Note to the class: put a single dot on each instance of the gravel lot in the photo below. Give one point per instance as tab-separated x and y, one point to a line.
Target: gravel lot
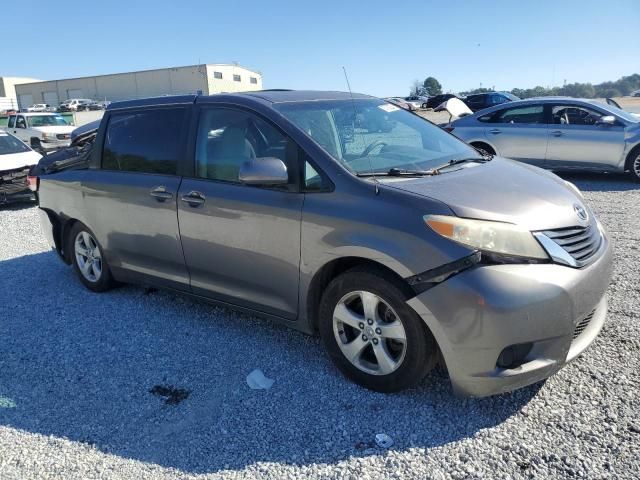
94	386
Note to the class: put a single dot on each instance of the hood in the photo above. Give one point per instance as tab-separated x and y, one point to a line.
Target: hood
500	190
454	107
13	161
55	128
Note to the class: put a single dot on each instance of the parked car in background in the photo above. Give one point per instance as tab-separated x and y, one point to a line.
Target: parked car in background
635	93
51	129
417	101
39	107
90	106
74	104
557	133
400	102
401	247
489	99
438	100
16	159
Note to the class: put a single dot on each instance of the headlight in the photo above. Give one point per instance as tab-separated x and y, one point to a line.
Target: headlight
496	237
48	136
574	188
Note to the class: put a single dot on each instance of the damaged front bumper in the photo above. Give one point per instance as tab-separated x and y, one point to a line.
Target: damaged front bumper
13	186
548	312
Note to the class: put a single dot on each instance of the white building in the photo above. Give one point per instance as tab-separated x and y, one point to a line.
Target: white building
8	97
205	79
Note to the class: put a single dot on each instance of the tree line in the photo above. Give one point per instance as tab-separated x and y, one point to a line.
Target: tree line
618	88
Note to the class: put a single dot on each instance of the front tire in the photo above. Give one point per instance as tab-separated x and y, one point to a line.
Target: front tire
371	334
88	259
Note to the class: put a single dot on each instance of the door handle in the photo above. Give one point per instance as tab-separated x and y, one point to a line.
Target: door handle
161	194
193	198
495	131
556	133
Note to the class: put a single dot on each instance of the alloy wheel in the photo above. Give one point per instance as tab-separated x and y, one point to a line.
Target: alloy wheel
88	256
369	333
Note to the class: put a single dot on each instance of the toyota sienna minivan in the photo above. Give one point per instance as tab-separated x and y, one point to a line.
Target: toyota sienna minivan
402	246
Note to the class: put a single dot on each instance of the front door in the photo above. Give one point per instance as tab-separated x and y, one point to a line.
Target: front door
241	243
21	131
519	133
577	140
131	201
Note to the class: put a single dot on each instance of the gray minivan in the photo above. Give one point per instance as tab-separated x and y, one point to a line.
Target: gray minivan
401	245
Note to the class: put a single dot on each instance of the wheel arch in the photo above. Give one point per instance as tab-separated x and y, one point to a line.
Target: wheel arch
333	268
484	145
630	156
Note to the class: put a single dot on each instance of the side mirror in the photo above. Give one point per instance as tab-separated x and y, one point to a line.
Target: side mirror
607	120
264	171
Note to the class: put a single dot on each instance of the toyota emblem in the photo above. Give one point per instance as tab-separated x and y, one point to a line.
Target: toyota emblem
580	212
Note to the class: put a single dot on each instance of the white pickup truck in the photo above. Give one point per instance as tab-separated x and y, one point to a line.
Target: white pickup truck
50	128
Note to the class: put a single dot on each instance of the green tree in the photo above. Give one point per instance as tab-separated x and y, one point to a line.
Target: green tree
432	86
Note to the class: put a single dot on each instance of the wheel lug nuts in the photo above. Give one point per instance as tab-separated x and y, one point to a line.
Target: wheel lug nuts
378	331
361	325
375	341
370	322
364	337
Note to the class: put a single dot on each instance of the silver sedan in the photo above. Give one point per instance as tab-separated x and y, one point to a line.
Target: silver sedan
557	133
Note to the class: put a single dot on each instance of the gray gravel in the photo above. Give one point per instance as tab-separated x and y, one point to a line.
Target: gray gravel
77	370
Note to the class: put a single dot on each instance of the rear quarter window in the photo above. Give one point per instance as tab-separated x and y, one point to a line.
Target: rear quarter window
147	141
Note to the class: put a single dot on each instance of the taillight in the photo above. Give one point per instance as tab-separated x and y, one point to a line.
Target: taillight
448	129
33	182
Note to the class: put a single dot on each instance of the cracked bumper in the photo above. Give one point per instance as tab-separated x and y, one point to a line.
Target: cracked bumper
477	313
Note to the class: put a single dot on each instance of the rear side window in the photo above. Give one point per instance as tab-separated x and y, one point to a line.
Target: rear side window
12	121
533	114
147	142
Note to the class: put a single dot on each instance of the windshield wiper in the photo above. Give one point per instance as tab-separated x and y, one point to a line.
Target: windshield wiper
397	172
458	161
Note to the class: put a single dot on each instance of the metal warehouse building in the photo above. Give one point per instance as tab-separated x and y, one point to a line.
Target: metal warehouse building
206	79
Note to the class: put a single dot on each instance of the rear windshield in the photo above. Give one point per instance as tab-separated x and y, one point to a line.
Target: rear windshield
46	120
9	144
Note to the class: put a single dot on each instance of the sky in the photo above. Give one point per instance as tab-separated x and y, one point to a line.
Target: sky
384	45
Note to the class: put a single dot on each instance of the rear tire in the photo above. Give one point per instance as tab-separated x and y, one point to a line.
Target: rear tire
633	164
371	334
88	259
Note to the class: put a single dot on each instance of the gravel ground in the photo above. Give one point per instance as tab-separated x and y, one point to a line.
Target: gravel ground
138	384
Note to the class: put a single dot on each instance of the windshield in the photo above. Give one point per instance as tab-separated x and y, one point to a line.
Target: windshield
46	120
374	136
9	144
616	111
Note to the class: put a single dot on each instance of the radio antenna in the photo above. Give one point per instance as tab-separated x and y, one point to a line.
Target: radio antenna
355	113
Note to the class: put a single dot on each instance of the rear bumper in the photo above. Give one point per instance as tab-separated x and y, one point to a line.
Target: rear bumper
476	314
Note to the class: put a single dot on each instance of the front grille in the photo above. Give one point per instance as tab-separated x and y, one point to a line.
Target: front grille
582	325
579	242
63	136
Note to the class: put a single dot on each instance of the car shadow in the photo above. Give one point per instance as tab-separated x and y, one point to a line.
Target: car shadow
159	377
601	182
16	206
